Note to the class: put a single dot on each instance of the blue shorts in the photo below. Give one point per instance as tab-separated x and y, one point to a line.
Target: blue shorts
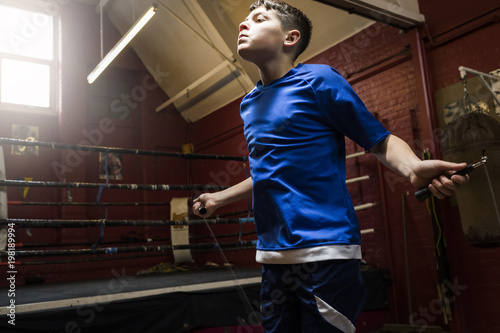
323	296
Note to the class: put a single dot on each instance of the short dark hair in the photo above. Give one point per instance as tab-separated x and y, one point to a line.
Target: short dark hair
291	18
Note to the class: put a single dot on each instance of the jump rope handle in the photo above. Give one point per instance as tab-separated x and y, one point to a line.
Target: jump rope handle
424	193
202	210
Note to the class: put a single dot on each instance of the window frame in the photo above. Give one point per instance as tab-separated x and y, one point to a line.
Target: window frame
53	64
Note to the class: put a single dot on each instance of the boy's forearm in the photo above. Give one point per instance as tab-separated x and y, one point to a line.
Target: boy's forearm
240	191
397	155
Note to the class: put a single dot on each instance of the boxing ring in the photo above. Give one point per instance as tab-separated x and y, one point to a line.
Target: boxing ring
173	302
181	300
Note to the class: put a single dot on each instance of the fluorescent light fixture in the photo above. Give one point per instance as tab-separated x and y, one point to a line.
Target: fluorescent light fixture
122	43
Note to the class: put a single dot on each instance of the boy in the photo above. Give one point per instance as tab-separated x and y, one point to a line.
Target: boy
295	121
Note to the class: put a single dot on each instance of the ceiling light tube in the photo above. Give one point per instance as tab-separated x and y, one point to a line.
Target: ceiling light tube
122	43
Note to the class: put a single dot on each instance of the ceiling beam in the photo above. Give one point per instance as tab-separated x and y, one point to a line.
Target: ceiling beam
185	91
379	10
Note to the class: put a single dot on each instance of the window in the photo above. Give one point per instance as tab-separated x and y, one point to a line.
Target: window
28	61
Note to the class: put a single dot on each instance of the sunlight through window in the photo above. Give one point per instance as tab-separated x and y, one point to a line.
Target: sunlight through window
25	83
27	60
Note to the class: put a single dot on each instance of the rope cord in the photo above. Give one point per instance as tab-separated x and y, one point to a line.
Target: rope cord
237	282
431	208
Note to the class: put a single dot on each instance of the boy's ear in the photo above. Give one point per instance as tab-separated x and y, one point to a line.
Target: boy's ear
292	37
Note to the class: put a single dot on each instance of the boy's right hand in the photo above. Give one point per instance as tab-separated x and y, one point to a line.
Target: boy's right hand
205	200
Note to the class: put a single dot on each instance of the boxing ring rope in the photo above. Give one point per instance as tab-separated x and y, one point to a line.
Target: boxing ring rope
102	149
84	260
129	249
135	249
130	240
154	250
108	258
139	187
70	223
54	145
61	223
111	204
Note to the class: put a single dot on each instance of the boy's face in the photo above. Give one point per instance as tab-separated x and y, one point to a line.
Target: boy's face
261	36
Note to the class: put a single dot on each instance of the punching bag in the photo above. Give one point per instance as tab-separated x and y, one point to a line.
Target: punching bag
464	140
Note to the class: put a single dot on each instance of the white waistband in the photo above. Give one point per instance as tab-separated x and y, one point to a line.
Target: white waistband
309	254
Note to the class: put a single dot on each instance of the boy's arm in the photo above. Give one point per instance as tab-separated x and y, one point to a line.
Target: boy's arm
212	201
398	156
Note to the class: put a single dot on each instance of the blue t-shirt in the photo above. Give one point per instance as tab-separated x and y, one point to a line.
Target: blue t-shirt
295	128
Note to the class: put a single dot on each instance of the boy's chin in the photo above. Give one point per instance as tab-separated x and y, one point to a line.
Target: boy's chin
242	53
246	55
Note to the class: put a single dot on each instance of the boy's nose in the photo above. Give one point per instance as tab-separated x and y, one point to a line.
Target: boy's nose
243	26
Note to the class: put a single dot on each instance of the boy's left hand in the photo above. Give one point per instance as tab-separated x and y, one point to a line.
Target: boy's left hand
435	175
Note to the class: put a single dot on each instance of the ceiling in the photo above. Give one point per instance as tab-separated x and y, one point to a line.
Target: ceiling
189	46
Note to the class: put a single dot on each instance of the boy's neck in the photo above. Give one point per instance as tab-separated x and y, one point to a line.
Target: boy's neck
273	71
